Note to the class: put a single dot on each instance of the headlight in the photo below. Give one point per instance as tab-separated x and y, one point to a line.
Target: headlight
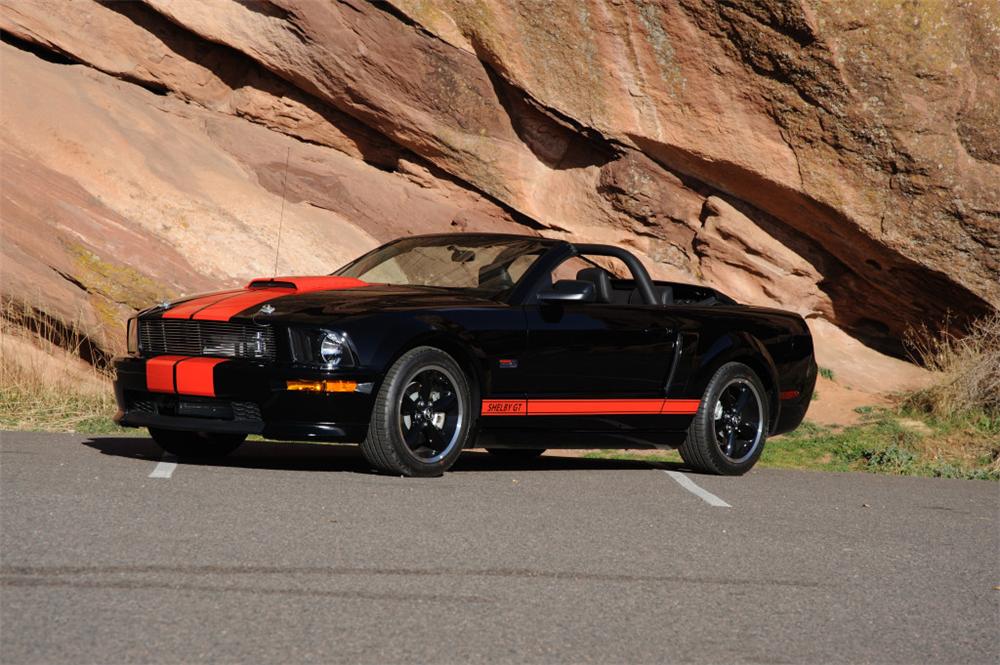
327	348
132	336
333	348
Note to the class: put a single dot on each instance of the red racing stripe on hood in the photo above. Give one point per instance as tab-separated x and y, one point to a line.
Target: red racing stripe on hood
259	291
186	309
224	305
229	307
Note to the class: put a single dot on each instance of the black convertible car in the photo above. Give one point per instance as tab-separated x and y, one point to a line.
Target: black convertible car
432	344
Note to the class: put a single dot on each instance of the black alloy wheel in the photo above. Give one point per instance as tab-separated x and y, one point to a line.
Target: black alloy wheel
737	420
422	416
728	432
430	414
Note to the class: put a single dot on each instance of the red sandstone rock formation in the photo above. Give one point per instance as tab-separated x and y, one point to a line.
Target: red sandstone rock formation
839	159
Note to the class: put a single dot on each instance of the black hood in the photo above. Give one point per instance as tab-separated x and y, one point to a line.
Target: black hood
318	307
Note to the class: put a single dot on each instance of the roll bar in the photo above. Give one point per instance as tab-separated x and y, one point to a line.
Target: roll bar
642	279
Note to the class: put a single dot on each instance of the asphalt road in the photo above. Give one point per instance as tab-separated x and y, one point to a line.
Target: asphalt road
295	553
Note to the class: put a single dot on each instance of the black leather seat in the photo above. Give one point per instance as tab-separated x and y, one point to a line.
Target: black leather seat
601	281
605	292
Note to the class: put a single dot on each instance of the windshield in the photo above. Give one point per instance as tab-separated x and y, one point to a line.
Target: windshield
489	266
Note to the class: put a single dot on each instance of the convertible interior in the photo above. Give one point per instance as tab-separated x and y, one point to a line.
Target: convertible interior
615	291
501	274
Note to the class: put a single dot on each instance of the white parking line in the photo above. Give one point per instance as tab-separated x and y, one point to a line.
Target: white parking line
702	494
165	467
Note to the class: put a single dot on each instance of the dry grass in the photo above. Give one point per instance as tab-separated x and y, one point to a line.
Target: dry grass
45	383
968	370
962	406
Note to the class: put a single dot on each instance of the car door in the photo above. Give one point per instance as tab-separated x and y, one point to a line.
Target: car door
597	366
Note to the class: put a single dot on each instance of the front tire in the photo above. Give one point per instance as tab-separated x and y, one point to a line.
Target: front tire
422	415
196	445
728	433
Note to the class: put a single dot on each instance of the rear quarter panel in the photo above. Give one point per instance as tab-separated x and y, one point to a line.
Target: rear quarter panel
775	344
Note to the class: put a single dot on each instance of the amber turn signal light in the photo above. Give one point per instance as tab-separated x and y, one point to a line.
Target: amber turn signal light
322	386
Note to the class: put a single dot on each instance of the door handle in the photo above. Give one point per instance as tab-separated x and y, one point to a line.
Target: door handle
657	329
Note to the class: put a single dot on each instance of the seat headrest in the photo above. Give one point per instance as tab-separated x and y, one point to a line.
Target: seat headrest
601	281
664	295
495	276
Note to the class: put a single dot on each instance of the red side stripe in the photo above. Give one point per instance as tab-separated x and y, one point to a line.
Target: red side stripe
567	407
196	376
789	394
186	309
680	406
574	407
160	373
230	307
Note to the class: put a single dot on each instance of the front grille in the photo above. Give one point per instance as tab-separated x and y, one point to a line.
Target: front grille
142	405
246	411
206	338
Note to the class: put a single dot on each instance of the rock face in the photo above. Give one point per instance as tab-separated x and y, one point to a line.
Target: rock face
838	159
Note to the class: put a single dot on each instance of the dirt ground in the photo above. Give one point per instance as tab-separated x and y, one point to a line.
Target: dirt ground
835	404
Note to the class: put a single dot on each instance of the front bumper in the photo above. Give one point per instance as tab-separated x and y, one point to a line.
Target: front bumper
249	398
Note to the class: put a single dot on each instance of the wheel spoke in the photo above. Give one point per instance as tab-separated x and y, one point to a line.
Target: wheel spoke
434	438
742	400
412	436
410	396
730	440
425	390
444	402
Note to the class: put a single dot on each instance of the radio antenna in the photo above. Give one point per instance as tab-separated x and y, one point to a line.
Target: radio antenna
281	219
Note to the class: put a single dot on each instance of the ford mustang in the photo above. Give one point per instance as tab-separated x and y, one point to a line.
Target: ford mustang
433	344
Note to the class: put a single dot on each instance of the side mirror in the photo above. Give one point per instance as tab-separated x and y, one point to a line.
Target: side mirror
568	290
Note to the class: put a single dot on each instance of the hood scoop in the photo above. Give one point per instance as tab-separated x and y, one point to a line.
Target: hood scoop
306	284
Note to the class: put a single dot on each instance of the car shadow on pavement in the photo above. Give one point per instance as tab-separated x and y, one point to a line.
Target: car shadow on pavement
280	456
289	456
480	460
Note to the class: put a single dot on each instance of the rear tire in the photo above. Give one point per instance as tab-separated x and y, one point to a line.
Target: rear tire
195	445
728	432
422	416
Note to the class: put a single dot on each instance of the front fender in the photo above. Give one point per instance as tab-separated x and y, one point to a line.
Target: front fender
380	344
